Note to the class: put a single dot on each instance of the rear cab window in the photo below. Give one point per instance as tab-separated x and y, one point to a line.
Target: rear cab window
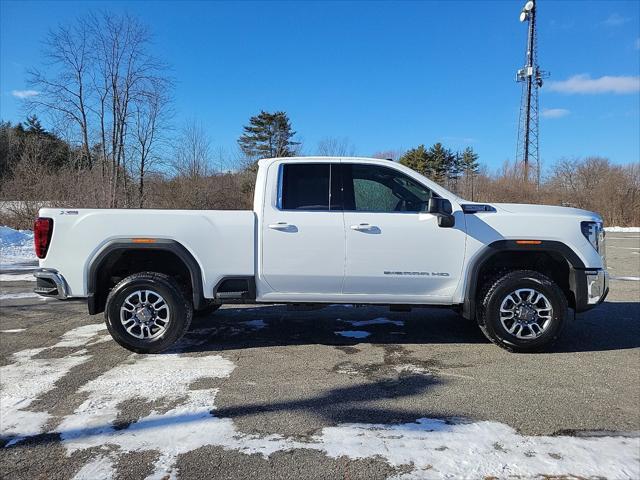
309	186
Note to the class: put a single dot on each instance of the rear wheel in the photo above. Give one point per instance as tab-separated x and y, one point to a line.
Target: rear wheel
147	312
522	311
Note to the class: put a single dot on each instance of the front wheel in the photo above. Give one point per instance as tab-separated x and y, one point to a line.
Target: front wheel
147	312
522	311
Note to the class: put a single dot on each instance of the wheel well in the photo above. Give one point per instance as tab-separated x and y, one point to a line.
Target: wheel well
121	263
552	264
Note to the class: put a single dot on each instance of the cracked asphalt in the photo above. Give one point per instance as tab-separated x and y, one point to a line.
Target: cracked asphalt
294	376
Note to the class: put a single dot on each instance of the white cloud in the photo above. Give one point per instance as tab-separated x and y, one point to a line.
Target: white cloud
555	112
615	20
608	84
24	93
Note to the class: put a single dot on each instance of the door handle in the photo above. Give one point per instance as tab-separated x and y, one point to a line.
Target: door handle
362	227
281	226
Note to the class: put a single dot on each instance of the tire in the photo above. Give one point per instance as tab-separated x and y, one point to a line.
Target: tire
207	310
527	326
133	321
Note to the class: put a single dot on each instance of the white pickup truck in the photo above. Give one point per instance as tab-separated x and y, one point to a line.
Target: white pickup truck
325	231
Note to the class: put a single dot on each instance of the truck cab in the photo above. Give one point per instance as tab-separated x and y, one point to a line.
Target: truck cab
328	230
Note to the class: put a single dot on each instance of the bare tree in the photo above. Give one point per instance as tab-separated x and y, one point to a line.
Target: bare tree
192	152
125	72
101	77
63	84
336	147
150	117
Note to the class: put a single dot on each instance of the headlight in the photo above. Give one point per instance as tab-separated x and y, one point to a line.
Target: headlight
594	233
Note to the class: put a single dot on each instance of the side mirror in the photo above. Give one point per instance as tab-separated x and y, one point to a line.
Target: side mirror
441	208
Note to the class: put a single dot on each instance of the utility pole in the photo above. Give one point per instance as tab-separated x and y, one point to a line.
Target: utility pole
531	78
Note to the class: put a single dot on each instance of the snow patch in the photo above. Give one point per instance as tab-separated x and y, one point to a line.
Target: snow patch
410	368
80	336
455	449
375	321
622	229
13	330
625	279
156	377
255	324
23	382
353	333
20	277
16	246
101	468
18	295
166	377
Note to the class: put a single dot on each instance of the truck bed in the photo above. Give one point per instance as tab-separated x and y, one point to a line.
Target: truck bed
222	241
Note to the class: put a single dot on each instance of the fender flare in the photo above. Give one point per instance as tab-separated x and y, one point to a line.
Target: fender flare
168	245
576	268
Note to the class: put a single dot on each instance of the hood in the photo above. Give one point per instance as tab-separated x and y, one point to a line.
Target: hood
547	210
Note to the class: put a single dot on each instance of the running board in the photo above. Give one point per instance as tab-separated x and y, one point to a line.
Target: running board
243	295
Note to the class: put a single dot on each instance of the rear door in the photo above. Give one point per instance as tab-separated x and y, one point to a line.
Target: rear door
393	246
303	247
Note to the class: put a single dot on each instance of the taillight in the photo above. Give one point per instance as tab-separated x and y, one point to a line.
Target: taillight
42	230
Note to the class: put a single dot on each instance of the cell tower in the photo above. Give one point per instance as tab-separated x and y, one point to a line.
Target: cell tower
530	76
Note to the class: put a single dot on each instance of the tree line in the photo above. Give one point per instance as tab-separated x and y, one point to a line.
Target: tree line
113	142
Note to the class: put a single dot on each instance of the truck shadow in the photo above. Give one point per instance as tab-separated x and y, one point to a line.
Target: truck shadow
612	326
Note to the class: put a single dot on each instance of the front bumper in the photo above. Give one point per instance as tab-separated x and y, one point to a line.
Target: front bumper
49	283
597	286
591	288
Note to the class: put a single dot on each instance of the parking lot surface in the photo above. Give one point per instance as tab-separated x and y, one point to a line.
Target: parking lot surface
341	392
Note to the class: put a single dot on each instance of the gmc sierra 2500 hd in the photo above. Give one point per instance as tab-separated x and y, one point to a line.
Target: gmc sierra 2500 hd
328	230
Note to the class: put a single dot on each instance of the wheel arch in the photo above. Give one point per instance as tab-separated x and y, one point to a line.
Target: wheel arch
115	249
563	265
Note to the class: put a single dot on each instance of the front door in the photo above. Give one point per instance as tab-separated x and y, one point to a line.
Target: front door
392	246
303	232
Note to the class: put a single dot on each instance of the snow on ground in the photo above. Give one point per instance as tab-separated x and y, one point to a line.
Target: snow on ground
80	336
622	229
353	333
22	383
13	330
183	419
625	279
19	277
99	468
28	378
434	448
440	448
16	246
375	321
255	324
18	295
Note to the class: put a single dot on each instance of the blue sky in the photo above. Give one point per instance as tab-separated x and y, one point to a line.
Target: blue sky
388	76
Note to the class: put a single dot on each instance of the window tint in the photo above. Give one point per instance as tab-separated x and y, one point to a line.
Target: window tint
373	188
305	186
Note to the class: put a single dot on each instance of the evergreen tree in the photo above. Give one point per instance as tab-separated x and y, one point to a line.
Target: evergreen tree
416	159
470	166
268	135
34	126
441	160
469	161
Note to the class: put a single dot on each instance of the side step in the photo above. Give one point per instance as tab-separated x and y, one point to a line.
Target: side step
242	295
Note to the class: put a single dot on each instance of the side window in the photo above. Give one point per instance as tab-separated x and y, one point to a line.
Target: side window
306	186
373	188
